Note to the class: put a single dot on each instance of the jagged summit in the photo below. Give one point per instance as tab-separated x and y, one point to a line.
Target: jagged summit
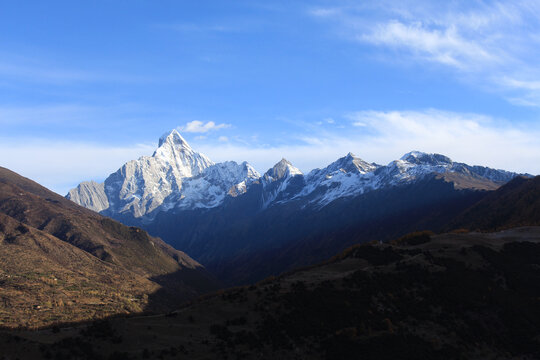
173	137
177	178
421	158
282	169
350	163
174	151
174	176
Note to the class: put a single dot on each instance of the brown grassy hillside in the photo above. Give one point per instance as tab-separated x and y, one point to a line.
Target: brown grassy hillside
60	262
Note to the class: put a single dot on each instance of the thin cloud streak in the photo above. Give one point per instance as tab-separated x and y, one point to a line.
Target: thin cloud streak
491	44
445	46
382	137
197	126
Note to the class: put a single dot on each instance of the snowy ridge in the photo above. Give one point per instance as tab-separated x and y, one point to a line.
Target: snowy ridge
174	176
210	188
277	183
347	176
340	179
283	169
178	178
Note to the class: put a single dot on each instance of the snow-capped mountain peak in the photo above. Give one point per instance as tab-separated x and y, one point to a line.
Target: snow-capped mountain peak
177	178
174	176
174	138
281	170
421	158
350	164
174	151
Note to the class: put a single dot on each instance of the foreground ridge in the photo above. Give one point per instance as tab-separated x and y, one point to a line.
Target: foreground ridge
63	263
423	295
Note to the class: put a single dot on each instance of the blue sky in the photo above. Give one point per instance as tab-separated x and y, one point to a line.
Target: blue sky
87	86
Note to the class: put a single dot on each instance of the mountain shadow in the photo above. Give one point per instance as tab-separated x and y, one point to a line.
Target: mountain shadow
172	294
515	204
241	246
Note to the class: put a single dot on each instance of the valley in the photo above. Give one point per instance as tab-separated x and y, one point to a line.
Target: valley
244	227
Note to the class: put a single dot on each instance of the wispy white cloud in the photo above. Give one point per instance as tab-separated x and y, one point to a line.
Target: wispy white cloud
522	84
471	138
445	46
492	44
381	137
197	126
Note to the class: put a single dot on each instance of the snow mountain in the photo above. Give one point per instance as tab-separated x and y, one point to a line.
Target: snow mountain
243	226
178	178
175	176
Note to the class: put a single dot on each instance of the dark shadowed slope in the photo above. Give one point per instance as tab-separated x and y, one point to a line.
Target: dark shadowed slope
242	246
450	296
515	204
62	262
243	226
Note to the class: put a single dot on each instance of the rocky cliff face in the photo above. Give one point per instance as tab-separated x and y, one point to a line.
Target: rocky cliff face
174	176
91	195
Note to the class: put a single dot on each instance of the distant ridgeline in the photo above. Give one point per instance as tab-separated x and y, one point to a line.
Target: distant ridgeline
244	226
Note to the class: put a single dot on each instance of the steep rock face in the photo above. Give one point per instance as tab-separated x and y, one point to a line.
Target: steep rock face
351	176
281	170
140	186
209	189
175	176
347	176
91	195
281	183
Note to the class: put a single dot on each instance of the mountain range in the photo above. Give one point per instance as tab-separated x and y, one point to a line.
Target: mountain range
245	226
177	178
